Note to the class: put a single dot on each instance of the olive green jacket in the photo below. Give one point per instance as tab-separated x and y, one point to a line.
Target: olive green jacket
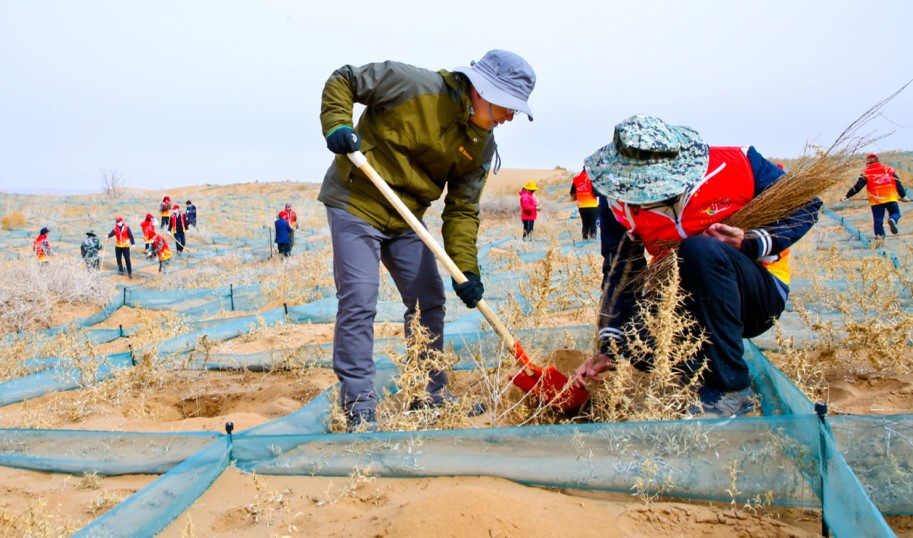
416	132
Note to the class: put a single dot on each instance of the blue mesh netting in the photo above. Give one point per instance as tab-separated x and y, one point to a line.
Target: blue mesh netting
788	453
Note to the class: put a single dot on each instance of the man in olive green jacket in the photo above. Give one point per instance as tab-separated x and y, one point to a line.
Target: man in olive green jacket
423	131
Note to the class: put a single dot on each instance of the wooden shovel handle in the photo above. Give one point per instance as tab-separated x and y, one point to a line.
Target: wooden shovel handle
362	163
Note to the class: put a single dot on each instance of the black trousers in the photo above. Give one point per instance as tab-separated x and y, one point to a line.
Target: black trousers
732	297
180	241
123	256
165	222
528	227
284	248
588	217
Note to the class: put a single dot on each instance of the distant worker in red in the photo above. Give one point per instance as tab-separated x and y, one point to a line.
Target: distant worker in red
529	205
165	211
159	248
41	246
884	189
292	219
148	227
123	240
587	204
177	226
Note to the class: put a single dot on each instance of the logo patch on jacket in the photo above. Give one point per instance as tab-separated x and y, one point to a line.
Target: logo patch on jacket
717	206
465	153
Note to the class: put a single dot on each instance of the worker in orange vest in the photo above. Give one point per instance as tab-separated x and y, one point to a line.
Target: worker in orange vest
884	189
159	247
123	240
41	245
148	227
165	211
587	204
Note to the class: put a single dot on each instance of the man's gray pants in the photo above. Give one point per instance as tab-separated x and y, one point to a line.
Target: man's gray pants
358	249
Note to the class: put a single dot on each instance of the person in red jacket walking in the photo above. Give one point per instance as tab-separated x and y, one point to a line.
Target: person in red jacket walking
165	211
123	240
41	246
529	205
884	189
587	204
148	227
159	247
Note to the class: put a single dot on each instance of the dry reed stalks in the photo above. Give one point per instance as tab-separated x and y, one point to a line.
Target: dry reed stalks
669	339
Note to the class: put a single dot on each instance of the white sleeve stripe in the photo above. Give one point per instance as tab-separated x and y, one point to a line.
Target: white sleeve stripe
610	332
767	244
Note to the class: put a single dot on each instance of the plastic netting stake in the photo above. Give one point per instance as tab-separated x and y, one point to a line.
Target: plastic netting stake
125	296
270	232
821	411
231	293
132	356
121	327
286	308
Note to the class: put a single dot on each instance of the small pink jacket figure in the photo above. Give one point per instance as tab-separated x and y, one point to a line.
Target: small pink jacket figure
528	207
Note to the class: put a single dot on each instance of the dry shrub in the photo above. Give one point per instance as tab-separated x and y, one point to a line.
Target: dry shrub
871	334
297	280
267	504
12	221
671	339
70	344
544	287
415	365
354	488
29	290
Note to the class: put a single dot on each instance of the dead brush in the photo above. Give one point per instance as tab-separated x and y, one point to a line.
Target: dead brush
14	350
410	409
670	339
29	293
268	503
298	279
871	334
358	480
13	220
543	286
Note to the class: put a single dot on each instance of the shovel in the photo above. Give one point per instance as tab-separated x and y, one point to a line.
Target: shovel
548	385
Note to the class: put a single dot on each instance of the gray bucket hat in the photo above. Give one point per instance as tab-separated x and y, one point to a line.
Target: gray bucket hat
502	78
648	161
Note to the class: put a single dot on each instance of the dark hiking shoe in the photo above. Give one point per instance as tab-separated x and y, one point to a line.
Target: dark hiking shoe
893	225
362	420
718	404
437	401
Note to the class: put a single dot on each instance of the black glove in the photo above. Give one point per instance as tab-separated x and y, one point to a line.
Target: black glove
470	292
343	140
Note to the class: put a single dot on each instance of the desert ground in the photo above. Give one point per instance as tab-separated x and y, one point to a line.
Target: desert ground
845	344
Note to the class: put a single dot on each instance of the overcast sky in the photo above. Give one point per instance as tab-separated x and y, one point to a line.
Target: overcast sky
192	92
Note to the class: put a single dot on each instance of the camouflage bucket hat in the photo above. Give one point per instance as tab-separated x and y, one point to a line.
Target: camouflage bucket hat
648	161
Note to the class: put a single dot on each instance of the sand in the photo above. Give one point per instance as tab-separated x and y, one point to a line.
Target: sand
247	505
865	395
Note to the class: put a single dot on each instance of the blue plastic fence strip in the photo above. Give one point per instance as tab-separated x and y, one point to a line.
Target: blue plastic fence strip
847	510
102	452
60	378
151	509
691	459
779	396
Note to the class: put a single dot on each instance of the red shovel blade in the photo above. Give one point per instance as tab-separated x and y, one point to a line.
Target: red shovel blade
548	385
